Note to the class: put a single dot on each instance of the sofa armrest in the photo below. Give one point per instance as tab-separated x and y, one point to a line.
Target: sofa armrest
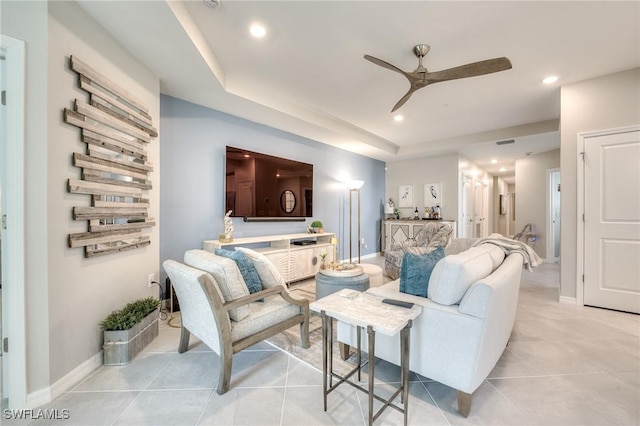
476	300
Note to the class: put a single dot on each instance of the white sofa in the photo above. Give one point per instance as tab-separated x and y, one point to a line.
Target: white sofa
465	322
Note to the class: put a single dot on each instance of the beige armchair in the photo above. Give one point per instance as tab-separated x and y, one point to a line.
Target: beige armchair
206	312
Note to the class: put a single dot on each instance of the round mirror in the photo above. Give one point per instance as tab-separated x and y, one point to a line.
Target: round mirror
287	201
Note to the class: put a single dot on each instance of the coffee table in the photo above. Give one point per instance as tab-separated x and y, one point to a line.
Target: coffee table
365	311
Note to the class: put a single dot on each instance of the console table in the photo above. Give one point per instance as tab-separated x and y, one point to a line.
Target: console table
367	311
294	262
399	230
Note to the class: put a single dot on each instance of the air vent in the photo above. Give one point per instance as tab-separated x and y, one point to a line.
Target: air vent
505	142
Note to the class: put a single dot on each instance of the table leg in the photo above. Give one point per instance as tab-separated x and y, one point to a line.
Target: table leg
359	349
404	363
330	348
371	334
324	358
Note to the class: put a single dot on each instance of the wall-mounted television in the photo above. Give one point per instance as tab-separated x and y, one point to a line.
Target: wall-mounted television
260	186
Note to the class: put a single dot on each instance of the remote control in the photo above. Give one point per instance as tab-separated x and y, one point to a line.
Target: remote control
349	294
398	303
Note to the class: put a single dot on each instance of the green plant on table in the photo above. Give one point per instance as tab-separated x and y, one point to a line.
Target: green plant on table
316	224
130	315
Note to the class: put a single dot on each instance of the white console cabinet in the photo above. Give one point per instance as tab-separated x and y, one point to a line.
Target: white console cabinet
294	262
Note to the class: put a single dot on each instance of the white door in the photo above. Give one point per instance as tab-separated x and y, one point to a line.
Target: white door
14	386
553	244
485	210
467	208
479	210
612	221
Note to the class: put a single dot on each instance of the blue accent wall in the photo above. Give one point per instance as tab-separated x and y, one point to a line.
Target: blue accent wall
192	177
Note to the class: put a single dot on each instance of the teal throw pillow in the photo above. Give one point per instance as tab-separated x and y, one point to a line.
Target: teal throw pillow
416	271
246	267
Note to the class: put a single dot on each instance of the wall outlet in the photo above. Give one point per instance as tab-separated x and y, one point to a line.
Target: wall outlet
150	279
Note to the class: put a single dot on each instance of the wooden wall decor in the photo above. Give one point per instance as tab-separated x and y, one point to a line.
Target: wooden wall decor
117	128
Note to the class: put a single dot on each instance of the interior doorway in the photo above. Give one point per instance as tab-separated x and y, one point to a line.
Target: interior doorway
553	242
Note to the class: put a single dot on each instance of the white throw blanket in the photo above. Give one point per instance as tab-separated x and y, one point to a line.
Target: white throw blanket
531	258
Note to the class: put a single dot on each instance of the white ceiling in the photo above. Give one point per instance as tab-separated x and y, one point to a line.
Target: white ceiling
308	75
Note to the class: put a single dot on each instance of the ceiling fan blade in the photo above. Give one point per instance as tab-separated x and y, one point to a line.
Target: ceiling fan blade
384	64
469	70
404	99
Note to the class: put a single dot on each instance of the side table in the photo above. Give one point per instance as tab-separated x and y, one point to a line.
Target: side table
365	311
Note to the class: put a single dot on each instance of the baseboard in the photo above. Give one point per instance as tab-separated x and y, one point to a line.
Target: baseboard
48	394
38	398
568	300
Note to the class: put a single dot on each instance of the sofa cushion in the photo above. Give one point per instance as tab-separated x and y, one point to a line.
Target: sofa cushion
453	275
245	265
267	271
495	253
227	275
416	270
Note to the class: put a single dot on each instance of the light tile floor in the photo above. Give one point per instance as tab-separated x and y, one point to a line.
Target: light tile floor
564	365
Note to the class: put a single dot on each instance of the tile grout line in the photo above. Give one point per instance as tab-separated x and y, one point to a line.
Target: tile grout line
284	393
424	386
143	390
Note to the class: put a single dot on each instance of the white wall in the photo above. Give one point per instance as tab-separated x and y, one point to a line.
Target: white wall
192	204
602	103
532	200
84	291
421	171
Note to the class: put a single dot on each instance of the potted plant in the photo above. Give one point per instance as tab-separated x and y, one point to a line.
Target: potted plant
316	227
323	258
129	330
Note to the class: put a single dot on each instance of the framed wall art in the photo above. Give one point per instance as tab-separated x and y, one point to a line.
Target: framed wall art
405	196
503	204
432	195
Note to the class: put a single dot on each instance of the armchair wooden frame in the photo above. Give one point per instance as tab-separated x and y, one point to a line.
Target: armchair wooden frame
220	310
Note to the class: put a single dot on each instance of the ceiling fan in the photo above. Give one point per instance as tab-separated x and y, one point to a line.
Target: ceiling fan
420	77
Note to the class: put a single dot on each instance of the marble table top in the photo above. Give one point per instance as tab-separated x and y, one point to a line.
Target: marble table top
364	309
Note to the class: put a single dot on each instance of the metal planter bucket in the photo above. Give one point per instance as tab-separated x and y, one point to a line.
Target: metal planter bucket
121	346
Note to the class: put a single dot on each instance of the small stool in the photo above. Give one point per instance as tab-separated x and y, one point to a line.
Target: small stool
374	272
327	284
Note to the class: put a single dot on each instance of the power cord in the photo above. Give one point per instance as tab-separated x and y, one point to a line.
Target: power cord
163	314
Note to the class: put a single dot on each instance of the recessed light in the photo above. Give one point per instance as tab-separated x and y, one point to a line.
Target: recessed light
503	169
494	161
258	30
550	80
213	4
398	118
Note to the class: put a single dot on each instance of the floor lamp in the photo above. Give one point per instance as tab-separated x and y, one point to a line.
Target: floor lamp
354	186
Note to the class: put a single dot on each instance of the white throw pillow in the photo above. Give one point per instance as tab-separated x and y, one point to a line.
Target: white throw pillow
227	275
266	269
453	275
